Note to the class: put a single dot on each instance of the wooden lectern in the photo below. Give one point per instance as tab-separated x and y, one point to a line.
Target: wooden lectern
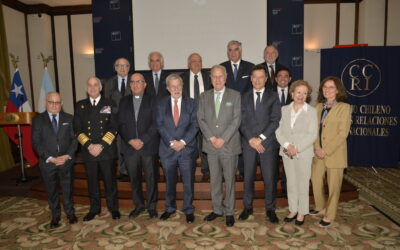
18	119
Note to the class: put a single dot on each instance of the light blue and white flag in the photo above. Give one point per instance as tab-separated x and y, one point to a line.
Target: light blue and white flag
47	86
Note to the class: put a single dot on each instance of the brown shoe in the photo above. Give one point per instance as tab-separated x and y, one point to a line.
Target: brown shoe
55	222
72	218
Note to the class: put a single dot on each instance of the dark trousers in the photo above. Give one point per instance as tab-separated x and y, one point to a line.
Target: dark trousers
107	168
121	159
52	175
203	156
269	169
135	164
186	169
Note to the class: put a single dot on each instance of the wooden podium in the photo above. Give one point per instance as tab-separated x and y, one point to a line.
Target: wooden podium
18	119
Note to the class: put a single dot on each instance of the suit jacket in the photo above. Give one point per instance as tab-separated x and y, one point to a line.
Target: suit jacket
288	98
186	81
303	133
96	125
186	130
162	87
243	81
335	130
144	128
111	89
226	126
271	82
266	123
47	143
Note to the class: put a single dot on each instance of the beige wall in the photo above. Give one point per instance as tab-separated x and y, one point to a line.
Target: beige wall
40	40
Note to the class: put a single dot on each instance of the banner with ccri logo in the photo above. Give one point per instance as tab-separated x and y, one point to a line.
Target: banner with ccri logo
371	77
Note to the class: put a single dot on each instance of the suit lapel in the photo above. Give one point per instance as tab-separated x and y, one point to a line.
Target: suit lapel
333	110
131	109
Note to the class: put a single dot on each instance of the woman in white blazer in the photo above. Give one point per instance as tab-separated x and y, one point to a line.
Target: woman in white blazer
296	134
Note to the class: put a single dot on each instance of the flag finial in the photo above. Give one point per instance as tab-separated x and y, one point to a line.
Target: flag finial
46	60
14	60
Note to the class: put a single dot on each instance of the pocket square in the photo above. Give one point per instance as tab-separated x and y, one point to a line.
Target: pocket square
105	110
65	123
244	77
228	104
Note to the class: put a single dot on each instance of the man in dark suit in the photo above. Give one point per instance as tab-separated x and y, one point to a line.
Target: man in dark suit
177	125
55	143
219	117
155	77
282	79
271	54
238	77
261	113
95	126
115	88
195	82
140	140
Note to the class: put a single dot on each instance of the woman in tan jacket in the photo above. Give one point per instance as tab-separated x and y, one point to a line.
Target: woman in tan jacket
330	148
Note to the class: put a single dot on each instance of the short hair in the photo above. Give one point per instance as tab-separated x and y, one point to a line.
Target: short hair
283	69
273	46
341	95
259	67
218	67
161	58
115	62
301	83
232	42
174	77
94	77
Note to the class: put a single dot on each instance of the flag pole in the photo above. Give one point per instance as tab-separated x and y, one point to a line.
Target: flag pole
23	179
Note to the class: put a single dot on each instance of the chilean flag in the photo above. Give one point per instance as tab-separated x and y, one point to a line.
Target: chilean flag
18	102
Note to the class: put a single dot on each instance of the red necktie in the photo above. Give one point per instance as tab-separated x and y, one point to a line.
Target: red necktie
176	113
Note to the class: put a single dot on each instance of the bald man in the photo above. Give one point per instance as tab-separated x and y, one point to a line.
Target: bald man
95	126
55	143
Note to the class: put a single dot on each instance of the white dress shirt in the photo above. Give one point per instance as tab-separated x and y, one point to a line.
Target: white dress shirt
191	83
97	100
237	63
279	91
120	82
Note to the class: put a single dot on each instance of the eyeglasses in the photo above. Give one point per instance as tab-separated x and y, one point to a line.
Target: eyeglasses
330	87
54	103
137	82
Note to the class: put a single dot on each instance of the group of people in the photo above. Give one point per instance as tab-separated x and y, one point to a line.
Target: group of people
235	117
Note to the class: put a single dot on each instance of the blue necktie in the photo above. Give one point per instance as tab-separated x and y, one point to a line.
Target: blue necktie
235	71
258	103
54	123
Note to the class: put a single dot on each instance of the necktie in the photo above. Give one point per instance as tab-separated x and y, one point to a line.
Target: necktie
156	81
217	103
235	71
258	103
283	97
196	87
272	73
54	123
123	87
176	113
94	103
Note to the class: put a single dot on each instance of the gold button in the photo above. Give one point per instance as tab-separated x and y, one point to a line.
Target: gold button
88	122
101	127
106	118
101	121
88	133
88	128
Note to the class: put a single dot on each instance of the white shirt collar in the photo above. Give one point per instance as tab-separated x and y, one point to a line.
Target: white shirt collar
304	108
238	63
261	90
97	100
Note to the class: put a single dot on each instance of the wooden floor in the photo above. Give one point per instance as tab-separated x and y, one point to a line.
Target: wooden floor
202	198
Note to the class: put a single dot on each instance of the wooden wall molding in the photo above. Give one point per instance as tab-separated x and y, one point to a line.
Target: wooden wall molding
45	9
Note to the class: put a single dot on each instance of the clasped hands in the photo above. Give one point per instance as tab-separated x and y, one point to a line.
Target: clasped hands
255	143
176	145
320	153
60	160
136	143
95	149
217	142
291	151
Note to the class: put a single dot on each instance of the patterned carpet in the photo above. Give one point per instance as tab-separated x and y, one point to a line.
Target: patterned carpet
24	225
380	186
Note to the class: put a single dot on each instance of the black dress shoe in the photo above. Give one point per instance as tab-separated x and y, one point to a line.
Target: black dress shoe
166	215
299	222
153	213
290	219
312	211
115	215
324	223
245	214
55	222
272	217
72	218
189	218
230	220
212	216
90	216
135	213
